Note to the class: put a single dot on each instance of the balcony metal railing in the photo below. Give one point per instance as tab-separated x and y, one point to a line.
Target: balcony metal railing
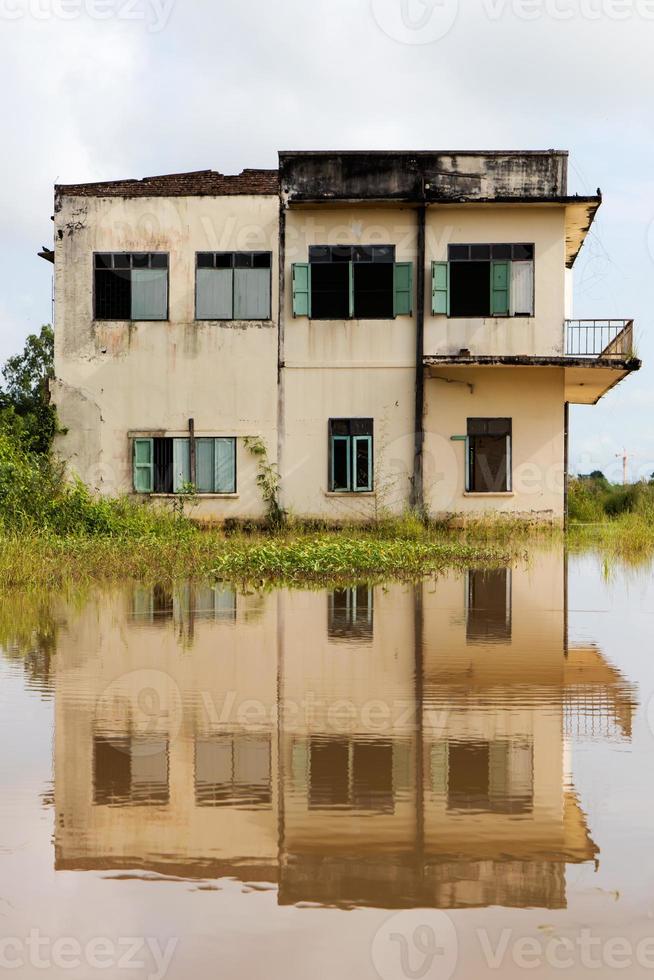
599	338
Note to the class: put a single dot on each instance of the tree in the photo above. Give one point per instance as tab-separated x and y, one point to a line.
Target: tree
25	410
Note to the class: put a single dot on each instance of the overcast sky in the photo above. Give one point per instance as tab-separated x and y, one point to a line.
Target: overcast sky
102	89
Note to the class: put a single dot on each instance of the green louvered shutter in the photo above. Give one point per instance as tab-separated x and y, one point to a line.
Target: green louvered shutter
144	465
225	463
403	289
181	464
500	288
301	289
440	288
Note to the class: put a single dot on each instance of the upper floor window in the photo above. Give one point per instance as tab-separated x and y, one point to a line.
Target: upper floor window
484	280
233	286
350	455
341	282
130	285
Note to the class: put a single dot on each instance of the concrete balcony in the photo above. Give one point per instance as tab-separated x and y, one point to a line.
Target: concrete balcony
598	355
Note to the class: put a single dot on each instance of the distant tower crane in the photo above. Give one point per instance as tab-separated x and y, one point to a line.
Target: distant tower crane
625	461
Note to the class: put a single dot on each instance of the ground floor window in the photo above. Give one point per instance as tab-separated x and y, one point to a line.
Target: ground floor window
488	457
350	455
163	465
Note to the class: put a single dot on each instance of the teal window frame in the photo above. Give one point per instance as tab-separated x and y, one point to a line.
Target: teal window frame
352	440
402	286
148	474
500	278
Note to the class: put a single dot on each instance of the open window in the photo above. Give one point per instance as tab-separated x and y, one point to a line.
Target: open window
484	281
130	285
488	456
233	285
163	464
341	282
350	455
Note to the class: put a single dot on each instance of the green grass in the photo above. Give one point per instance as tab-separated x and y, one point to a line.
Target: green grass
259	559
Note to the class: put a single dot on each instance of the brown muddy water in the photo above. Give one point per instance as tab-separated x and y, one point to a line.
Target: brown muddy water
447	780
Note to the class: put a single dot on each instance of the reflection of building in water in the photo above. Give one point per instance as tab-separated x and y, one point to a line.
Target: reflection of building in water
393	746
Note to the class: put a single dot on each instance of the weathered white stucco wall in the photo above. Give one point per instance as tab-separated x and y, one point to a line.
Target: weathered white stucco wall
117	377
533	399
541	334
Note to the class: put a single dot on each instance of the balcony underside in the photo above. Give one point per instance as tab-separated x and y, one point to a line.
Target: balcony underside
586	379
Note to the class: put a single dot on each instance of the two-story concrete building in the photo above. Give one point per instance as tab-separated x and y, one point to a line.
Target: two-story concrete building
394	326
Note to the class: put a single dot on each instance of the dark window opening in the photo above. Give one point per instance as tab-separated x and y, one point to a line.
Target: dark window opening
488	613
352	281
488	280
372	776
350	614
468	776
328	773
350	455
351	774
330	291
373	290
130	286
163	465
470	289
489	455
495	776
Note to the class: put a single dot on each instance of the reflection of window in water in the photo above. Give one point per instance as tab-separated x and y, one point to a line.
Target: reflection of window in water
190	602
350	613
152	604
130	770
352	774
488	605
494	776
232	770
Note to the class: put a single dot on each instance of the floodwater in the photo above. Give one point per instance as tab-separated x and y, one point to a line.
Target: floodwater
446	780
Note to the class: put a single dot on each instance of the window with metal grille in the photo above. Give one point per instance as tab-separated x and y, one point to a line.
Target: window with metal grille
130	285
